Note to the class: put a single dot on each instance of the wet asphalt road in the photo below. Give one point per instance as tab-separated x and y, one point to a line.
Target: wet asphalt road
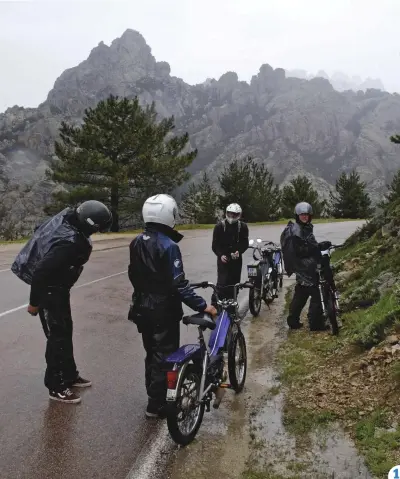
103	436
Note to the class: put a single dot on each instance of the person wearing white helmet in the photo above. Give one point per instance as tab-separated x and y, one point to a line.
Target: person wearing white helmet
230	241
157	276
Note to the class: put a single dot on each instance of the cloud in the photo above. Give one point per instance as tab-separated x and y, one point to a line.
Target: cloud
200	39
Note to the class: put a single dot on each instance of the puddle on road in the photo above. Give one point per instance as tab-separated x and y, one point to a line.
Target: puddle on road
327	454
247	432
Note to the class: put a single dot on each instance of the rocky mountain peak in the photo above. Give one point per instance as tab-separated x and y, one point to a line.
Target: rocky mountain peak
298	125
107	70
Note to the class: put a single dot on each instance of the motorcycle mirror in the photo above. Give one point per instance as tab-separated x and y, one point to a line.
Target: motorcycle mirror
251	242
259	240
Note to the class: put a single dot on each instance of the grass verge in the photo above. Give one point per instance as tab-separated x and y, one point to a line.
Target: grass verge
328	379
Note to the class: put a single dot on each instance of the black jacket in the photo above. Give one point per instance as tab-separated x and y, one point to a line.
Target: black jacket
157	275
61	266
301	252
229	238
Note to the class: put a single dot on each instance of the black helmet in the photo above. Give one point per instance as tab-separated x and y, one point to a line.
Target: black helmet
303	208
94	217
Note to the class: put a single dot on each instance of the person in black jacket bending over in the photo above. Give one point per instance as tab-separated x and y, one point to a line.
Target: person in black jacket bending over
301	254
230	241
51	262
157	276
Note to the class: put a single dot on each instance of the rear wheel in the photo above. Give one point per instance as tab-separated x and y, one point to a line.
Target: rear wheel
330	305
255	300
185	415
237	361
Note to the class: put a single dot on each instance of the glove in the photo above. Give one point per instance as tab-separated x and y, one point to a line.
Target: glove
324	245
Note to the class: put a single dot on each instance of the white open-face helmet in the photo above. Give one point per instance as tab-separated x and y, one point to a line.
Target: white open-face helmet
233	213
160	209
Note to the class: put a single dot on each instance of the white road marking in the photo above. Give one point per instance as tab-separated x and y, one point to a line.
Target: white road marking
75	287
154	456
3	270
13	310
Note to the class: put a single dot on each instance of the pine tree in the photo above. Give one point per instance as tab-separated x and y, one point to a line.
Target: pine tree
300	189
120	155
252	186
350	200
200	202
393	192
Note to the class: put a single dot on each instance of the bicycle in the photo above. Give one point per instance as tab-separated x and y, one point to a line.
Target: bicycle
329	298
201	370
266	274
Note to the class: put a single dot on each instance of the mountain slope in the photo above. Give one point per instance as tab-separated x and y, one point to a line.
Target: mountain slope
293	125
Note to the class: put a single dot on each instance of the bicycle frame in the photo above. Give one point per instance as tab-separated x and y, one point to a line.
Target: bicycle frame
203	352
322	283
270	259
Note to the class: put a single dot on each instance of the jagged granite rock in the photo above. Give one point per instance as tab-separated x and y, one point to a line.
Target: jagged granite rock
340	81
292	125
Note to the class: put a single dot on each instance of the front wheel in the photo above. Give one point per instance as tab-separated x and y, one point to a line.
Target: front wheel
330	306
270	289
185	414
255	300
237	361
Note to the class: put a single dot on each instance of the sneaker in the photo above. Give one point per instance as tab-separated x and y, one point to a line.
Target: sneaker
66	396
81	383
155	411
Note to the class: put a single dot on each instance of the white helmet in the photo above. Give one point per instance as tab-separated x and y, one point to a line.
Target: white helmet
160	209
233	212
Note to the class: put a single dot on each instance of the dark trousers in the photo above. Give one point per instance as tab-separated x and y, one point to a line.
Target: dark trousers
228	274
159	340
55	315
300	298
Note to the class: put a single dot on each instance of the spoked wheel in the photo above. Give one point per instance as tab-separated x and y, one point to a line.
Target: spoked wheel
269	291
237	361
184	416
255	300
330	306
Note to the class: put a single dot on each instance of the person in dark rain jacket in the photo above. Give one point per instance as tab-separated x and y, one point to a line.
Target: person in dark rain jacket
51	263
157	276
301	254
230	241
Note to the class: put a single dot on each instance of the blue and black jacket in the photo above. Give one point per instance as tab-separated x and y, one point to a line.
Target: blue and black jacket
157	275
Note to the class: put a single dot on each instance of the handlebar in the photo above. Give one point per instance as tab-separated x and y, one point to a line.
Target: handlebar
259	248
207	284
335	246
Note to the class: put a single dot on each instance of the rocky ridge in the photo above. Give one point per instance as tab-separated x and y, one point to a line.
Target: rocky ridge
292	125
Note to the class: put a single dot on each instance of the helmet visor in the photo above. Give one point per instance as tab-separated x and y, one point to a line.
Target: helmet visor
233	216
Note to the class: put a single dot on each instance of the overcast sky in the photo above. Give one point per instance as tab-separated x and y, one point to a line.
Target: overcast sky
199	38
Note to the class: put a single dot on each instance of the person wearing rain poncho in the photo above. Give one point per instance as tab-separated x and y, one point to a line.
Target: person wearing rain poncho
301	254
51	263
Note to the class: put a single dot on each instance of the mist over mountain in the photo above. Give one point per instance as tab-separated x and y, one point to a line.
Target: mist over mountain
292	122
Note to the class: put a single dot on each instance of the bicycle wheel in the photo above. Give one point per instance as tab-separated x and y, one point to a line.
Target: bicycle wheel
237	361
255	301
269	295
185	415
330	306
